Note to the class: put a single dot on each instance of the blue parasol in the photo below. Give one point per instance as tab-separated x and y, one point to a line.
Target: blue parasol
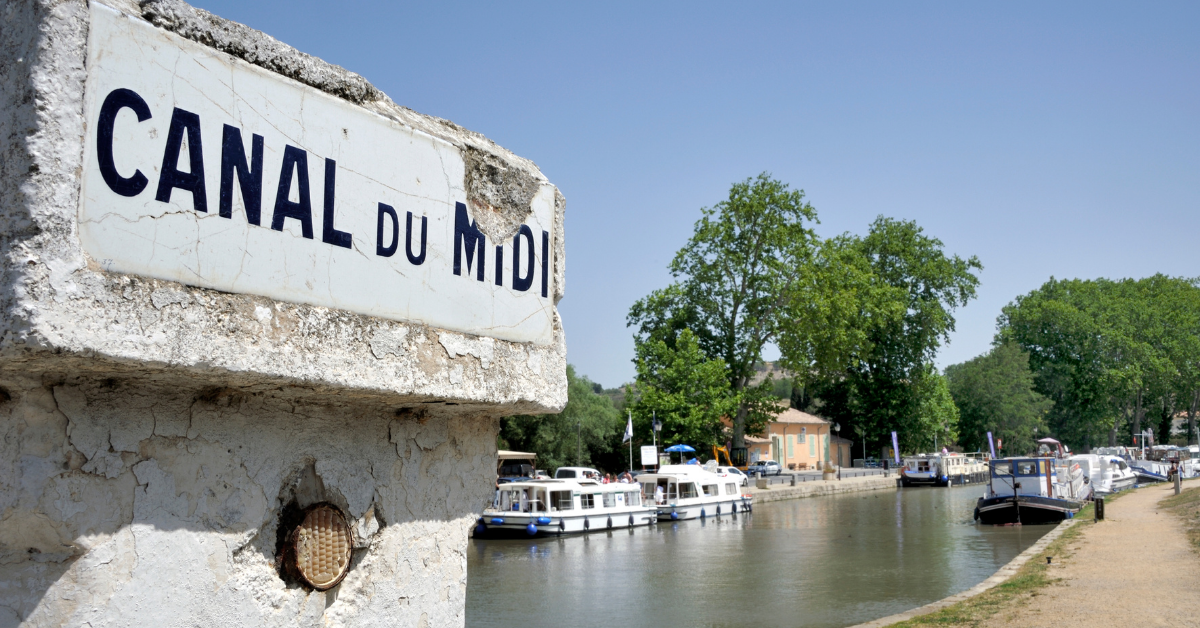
678	449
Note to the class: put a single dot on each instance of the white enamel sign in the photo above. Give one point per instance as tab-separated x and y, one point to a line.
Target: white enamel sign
206	170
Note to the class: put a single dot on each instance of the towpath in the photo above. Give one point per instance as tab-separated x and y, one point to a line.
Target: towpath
1135	568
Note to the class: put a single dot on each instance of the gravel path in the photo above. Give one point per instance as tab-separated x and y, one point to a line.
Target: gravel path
1136	568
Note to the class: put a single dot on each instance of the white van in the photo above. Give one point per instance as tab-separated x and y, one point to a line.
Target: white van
576	473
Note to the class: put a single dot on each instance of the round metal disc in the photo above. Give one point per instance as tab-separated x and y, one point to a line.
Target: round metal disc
322	547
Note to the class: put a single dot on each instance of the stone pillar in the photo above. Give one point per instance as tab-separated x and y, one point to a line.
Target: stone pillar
216	312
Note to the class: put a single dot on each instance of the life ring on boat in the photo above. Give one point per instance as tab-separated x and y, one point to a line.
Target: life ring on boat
610	522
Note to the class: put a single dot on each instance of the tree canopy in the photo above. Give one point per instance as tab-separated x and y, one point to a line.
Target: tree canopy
734	281
1111	353
589	421
995	393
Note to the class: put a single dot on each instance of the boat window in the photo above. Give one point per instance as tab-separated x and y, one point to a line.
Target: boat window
1001	468
565	473
672	489
731	489
610	500
711	490
587	500
633	499
562	500
688	490
1027	467
1045	467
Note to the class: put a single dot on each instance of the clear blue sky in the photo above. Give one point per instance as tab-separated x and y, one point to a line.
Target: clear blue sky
1046	138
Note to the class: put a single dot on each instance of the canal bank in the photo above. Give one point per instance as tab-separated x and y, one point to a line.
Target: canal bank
828	563
1145	536
817	488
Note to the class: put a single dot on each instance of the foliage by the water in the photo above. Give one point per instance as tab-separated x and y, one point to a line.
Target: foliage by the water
858	320
995	393
1113	356
581	434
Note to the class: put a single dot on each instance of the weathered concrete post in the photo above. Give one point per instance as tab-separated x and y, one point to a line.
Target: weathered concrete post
258	325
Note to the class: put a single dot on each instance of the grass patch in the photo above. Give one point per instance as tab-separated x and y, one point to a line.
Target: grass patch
1026	583
1186	506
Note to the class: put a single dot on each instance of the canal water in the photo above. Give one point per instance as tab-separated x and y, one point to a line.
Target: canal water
824	561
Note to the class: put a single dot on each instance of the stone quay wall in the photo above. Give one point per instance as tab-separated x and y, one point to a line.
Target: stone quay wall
158	436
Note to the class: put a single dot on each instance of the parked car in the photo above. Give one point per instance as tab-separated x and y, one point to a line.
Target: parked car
765	467
873	463
577	473
734	472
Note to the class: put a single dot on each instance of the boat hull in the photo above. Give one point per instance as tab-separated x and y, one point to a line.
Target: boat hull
720	508
1025	509
516	525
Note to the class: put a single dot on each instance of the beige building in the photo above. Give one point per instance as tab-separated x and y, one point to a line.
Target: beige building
798	440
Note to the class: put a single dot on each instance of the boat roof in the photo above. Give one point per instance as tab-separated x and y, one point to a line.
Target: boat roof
694	471
570	484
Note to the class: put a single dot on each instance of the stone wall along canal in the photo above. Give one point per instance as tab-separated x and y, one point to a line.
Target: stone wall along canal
830	561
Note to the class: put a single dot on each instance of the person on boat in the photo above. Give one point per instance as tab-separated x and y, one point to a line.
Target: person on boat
658	494
606	479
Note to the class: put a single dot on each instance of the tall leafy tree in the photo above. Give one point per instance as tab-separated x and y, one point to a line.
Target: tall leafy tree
937	417
914	288
1111	352
734	280
683	388
585	429
995	393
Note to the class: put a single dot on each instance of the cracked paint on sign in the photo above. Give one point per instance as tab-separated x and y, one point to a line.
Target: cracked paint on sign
389	184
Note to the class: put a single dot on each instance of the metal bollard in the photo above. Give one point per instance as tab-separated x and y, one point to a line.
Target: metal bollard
1178	482
1098	507
793	479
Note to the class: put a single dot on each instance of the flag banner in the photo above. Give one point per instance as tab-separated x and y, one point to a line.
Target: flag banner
895	448
628	429
991	445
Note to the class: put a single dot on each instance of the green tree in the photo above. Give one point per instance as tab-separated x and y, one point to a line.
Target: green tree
908	298
1107	352
995	393
734	281
937	418
684	389
589	421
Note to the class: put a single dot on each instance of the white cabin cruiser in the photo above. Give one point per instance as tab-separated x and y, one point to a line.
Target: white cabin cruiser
1106	474
688	491
944	469
1118	476
551	507
1032	491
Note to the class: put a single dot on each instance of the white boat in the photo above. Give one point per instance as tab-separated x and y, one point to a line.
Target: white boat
688	491
1118	476
551	507
923	470
944	469
1106	474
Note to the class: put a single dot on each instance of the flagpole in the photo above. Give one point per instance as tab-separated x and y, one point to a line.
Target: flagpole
630	442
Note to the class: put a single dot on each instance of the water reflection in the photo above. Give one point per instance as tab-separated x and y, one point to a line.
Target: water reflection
830	561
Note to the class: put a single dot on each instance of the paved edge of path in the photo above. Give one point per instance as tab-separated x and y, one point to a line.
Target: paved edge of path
1001	575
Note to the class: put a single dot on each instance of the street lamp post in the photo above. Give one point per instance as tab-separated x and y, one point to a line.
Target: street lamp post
837	427
578	444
